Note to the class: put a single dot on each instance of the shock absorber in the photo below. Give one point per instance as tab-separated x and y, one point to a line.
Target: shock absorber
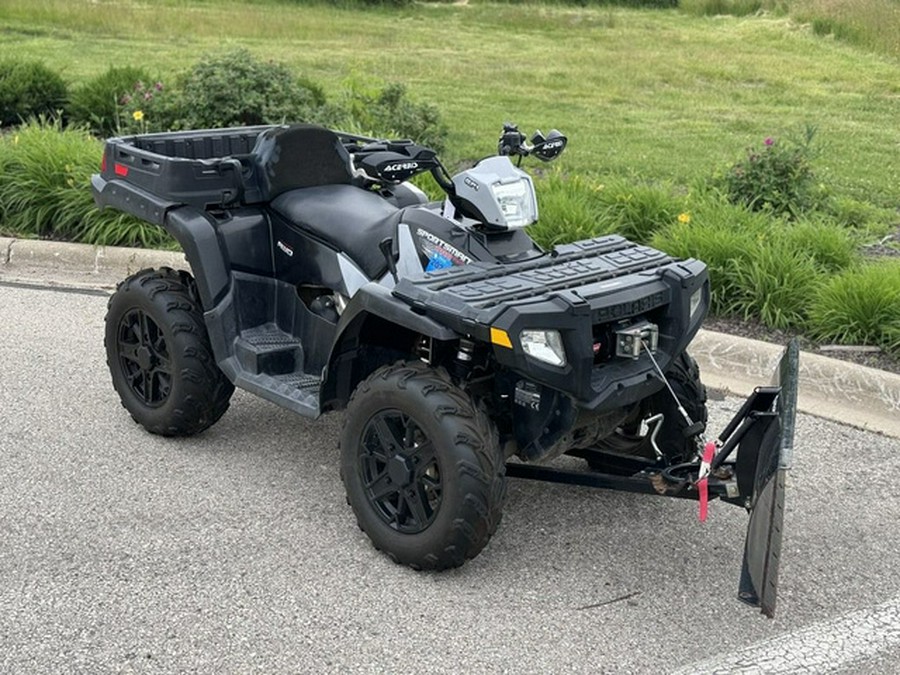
425	349
465	355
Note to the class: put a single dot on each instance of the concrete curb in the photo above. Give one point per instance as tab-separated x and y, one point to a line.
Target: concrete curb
838	390
830	388
61	263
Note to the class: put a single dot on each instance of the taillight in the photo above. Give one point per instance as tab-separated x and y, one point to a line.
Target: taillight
120	169
103	163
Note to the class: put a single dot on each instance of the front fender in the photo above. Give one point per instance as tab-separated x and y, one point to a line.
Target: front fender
375	328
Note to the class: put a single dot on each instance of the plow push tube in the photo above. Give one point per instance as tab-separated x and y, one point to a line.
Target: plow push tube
762	432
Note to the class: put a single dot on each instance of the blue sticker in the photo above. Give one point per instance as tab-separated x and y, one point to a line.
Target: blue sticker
438	262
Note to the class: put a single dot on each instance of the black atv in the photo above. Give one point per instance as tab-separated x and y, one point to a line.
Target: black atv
323	279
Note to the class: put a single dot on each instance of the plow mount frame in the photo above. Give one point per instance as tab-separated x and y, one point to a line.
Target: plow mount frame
762	433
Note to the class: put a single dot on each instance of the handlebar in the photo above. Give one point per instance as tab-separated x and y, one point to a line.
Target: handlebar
546	148
395	161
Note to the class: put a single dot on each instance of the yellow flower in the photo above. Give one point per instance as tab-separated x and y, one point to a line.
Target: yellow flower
684	218
138	115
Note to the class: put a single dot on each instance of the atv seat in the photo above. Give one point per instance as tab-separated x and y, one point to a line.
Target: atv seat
299	156
350	219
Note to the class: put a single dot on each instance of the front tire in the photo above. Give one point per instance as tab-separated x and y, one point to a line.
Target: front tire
422	467
159	355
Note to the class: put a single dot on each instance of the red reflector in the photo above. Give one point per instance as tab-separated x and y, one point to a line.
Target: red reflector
121	170
103	164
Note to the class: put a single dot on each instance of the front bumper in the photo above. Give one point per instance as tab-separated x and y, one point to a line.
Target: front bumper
585	291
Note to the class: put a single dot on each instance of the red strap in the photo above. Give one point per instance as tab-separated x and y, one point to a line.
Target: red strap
702	484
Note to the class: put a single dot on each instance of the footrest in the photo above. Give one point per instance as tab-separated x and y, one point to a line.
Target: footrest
268	350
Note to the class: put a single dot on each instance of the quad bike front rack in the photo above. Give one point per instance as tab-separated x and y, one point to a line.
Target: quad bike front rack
762	433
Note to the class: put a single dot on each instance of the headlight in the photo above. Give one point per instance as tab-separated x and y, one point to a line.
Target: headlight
516	201
544	345
696	299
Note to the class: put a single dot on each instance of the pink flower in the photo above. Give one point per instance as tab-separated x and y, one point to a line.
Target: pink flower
125	100
769	141
158	86
148	96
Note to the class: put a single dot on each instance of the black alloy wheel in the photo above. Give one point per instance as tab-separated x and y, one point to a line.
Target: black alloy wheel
400	473
144	358
422	466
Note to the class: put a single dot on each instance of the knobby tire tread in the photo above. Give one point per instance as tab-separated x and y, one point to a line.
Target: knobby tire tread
480	509
203	393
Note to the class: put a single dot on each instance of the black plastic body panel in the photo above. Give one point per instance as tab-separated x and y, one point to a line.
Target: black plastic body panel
196	232
373	310
300	258
601	281
507	246
350	219
245	235
128	198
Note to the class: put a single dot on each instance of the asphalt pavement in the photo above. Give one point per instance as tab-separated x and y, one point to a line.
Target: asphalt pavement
234	551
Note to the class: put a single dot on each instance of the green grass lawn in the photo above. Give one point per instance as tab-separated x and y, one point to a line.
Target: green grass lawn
658	94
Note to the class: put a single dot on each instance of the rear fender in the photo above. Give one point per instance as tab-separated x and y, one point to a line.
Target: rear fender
195	232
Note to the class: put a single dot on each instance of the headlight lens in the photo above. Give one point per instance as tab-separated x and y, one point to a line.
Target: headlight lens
516	202
544	345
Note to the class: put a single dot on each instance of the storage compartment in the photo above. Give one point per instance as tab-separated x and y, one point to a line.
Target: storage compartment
212	168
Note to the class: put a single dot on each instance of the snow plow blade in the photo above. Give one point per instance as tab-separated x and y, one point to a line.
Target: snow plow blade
768	464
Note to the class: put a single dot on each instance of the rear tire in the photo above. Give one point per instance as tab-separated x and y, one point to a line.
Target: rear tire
684	376
422	467
159	355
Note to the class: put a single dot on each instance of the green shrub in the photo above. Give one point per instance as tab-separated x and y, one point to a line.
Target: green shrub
891	338
385	112
149	107
236	89
775	285
568	209
832	247
110	228
576	207
779	178
860	306
637	211
27	89
45	190
97	102
721	235
759	267
850	212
